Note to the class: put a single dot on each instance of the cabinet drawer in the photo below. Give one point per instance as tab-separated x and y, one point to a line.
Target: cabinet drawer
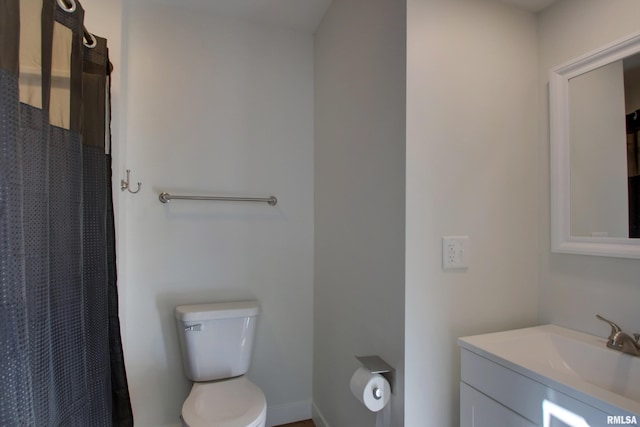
478	410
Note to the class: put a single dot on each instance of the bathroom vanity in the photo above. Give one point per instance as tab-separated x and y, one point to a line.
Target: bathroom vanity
546	376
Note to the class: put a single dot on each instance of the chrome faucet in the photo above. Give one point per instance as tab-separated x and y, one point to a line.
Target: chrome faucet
622	341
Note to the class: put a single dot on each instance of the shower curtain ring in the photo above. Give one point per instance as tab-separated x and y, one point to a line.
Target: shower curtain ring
124	184
67	8
89	40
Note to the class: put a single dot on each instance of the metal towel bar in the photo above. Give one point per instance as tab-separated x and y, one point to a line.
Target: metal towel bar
165	197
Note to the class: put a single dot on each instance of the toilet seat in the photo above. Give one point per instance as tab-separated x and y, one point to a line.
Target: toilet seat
235	402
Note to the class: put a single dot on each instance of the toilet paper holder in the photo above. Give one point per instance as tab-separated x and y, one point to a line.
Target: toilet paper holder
376	365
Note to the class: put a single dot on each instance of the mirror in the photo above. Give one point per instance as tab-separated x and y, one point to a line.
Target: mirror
595	128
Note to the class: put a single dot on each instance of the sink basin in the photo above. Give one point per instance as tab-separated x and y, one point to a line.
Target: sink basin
575	362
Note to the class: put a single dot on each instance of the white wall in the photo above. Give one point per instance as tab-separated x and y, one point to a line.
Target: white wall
471	170
359	203
215	105
574	288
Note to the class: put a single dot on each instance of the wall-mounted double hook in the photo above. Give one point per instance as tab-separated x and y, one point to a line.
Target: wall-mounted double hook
124	184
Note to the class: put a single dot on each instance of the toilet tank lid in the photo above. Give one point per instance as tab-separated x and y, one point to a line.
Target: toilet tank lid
217	310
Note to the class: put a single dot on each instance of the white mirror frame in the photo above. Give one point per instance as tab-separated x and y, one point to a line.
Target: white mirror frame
561	239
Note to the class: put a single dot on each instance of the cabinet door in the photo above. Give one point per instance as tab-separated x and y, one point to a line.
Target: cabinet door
478	410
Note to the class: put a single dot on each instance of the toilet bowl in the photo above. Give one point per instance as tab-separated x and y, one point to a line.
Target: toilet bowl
235	402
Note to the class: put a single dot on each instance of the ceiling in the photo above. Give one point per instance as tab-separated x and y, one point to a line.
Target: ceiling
301	15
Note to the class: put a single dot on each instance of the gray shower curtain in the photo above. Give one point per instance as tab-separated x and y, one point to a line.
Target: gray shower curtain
61	361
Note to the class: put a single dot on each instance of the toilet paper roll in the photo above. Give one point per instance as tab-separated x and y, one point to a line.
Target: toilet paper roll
373	390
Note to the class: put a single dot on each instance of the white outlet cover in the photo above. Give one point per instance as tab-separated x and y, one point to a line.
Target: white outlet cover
455	252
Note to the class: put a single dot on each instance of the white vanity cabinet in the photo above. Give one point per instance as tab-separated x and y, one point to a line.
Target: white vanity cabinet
493	395
514	379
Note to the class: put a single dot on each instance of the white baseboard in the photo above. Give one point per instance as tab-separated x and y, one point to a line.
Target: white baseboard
317	417
288	413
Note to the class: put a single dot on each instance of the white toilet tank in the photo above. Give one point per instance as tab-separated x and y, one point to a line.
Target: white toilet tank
216	340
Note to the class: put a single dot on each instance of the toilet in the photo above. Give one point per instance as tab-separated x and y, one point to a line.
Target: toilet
216	341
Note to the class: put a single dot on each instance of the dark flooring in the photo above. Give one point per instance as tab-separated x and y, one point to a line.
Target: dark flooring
305	423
